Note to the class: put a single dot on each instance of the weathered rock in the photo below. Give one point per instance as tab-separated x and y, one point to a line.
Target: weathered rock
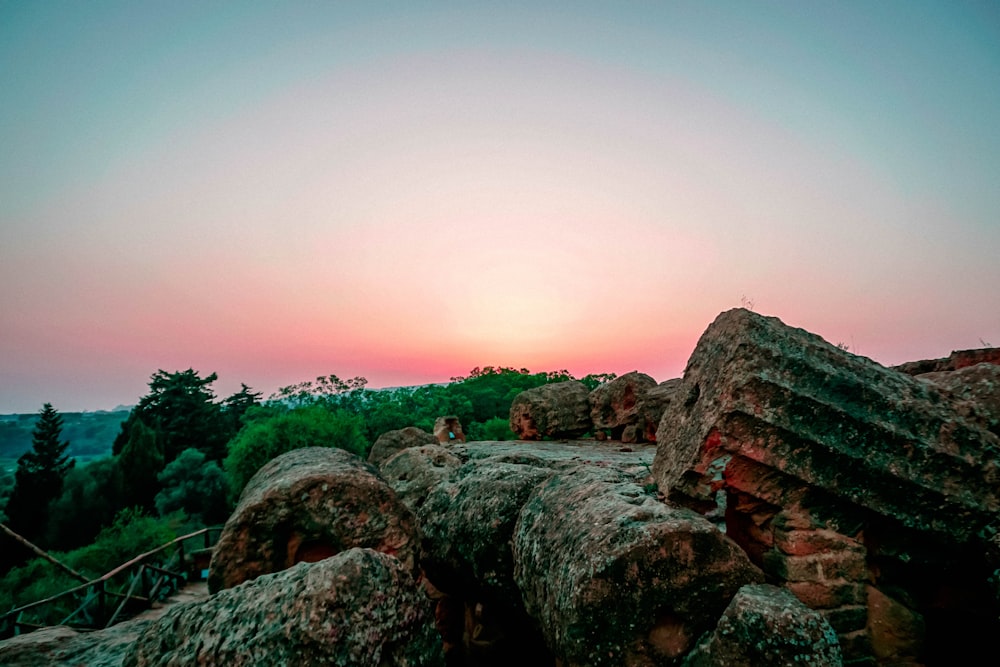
766	625
391	442
896	632
615	404
614	576
60	646
556	410
953	362
466	526
782	415
448	430
975	391
359	608
306	505
414	472
653	403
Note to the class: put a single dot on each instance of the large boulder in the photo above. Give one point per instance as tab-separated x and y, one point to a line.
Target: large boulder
784	416
956	360
556	410
306	505
653	403
975	391
414	472
466	526
360	608
614	405
391	442
614	576
766	625
60	646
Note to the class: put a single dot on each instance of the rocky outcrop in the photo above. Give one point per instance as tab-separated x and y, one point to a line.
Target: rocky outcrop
556	410
834	472
448	430
60	646
614	406
653	403
766	625
974	391
306	505
392	442
613	576
360	608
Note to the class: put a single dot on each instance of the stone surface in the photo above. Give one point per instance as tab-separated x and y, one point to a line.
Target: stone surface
556	410
359	608
392	442
653	403
780	414
895	631
614	576
953	362
60	646
413	472
975	392
615	404
448	430
766	625
306	505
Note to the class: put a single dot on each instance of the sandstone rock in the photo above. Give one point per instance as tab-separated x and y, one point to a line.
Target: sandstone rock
391	442
359	608
414	472
614	576
896	632
556	410
766	625
448	430
953	362
615	404
466	526
787	418
306	505
975	391
653	403
60	646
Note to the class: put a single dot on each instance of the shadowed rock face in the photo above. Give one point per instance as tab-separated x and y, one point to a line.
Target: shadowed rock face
614	405
556	410
306	505
766	625
779	413
360	608
614	576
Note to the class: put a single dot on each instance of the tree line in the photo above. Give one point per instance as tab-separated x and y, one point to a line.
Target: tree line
182	457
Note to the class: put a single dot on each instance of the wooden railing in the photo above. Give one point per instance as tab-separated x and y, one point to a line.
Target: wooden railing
100	605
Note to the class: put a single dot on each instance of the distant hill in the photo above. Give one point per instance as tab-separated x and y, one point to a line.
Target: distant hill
90	434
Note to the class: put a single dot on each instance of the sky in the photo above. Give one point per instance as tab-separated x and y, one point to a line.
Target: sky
275	191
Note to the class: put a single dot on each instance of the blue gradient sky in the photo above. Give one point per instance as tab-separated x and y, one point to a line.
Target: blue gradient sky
275	191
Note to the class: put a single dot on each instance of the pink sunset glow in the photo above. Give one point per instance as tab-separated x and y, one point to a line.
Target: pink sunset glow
405	194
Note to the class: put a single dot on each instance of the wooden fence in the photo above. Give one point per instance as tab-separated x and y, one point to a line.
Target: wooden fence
129	588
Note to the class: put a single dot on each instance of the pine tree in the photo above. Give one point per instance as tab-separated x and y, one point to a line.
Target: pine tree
39	477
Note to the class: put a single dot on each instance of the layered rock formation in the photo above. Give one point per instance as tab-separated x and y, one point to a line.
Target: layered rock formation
834	472
306	505
614	406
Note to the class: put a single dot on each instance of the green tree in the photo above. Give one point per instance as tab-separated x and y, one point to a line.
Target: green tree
274	431
192	485
92	496
235	406
180	407
140	462
39	476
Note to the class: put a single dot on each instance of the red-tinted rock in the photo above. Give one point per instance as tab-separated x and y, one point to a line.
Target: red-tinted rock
360	608
448	430
308	504
556	410
766	625
614	576
780	414
653	404
615	404
414	472
953	362
391	442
